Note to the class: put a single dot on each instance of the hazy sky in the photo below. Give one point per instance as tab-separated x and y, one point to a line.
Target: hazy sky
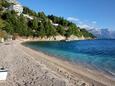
86	13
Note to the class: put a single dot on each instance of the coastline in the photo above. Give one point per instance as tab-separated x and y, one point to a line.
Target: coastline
89	67
25	65
84	74
55	38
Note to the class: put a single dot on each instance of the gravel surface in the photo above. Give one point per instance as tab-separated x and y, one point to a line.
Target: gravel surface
24	71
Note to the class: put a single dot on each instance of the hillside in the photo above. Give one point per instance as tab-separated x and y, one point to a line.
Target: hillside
20	21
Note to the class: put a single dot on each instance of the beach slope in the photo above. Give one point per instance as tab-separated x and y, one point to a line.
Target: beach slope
27	67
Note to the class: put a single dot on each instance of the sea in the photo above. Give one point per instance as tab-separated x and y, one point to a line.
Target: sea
94	54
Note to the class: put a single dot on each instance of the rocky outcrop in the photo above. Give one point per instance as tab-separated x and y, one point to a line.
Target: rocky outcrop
55	38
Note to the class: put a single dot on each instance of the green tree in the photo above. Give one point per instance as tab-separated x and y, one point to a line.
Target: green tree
4	3
2	24
59	20
61	30
9	28
34	24
22	28
50	30
42	15
28	11
86	33
68	33
41	30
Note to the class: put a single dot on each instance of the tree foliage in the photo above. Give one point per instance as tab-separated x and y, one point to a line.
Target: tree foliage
28	11
59	20
40	26
60	30
4	3
2	24
85	33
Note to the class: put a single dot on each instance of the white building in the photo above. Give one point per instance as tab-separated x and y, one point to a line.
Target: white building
55	24
27	16
17	8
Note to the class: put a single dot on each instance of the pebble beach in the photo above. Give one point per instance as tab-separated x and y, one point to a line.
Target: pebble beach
27	67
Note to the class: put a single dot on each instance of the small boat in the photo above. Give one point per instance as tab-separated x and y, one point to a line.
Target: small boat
3	74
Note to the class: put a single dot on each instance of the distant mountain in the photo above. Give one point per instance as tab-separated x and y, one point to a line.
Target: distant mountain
112	34
103	33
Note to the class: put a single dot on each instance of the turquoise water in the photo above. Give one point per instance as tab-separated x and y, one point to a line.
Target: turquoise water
98	54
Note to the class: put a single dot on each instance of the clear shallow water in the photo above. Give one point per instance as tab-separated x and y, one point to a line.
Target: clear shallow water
99	54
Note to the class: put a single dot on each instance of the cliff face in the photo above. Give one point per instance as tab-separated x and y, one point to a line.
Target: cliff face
57	38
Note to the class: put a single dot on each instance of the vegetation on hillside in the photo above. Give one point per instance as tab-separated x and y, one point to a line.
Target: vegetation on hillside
40	26
4	3
28	11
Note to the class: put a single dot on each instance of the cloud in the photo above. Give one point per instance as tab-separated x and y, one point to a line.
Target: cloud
72	19
85	26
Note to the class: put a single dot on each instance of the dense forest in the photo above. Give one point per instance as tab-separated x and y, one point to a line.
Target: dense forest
41	25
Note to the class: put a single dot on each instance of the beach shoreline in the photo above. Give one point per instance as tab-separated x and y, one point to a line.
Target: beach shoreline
88	66
14	56
99	78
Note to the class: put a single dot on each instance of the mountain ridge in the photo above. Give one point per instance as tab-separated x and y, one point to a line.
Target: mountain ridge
104	33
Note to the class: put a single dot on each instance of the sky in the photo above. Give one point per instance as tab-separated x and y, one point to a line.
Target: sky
85	13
